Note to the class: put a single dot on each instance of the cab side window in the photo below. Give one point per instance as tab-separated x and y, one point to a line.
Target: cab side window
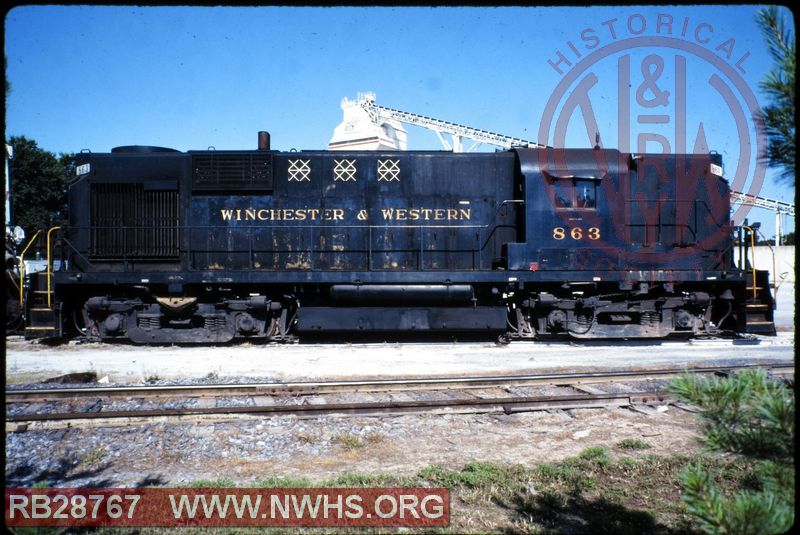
585	193
562	193
571	193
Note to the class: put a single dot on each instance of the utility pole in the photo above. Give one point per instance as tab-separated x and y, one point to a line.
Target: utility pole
9	155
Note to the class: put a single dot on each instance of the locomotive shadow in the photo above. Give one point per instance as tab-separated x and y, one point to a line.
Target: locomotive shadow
99	476
27	474
578	514
676	342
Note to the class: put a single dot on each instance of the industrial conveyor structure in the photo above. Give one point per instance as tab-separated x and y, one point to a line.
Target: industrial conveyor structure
369	126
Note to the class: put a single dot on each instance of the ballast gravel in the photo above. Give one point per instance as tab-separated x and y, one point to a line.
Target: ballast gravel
247	450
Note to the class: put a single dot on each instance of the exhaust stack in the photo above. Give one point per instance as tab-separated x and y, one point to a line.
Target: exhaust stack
263	140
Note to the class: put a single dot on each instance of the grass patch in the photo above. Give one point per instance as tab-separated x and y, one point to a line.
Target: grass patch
595	491
93	457
632	444
275	482
221	483
356	480
595	454
348	441
473	475
374	438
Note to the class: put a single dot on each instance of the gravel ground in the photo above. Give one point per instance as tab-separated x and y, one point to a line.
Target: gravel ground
256	448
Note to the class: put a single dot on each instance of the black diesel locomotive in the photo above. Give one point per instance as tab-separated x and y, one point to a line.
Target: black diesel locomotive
212	246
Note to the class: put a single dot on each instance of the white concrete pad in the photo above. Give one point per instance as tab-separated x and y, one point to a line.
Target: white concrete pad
25	362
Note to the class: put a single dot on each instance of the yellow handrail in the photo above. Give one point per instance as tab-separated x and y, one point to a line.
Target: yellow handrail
753	263
22	265
49	268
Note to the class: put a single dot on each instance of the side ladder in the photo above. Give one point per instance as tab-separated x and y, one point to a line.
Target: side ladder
43	315
42	312
760	305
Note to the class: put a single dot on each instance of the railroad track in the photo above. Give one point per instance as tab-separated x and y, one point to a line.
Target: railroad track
61	407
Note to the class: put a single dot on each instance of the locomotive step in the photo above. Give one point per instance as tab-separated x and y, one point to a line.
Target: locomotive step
760	327
40	332
755	308
41	316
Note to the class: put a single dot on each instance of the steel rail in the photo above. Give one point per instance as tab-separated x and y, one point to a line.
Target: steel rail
377	385
508	405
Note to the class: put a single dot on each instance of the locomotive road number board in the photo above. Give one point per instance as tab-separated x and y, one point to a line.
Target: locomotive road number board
576	233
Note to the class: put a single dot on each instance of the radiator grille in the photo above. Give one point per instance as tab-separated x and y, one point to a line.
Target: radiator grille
129	222
219	172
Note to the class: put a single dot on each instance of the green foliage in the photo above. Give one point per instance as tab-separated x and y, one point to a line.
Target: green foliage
596	454
39	181
778	84
592	492
94	457
474	475
765	511
579	473
221	483
354	480
746	413
632	444
348	441
275	482
751	415
482	474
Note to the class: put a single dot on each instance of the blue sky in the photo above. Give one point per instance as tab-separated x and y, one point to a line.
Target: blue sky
194	77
